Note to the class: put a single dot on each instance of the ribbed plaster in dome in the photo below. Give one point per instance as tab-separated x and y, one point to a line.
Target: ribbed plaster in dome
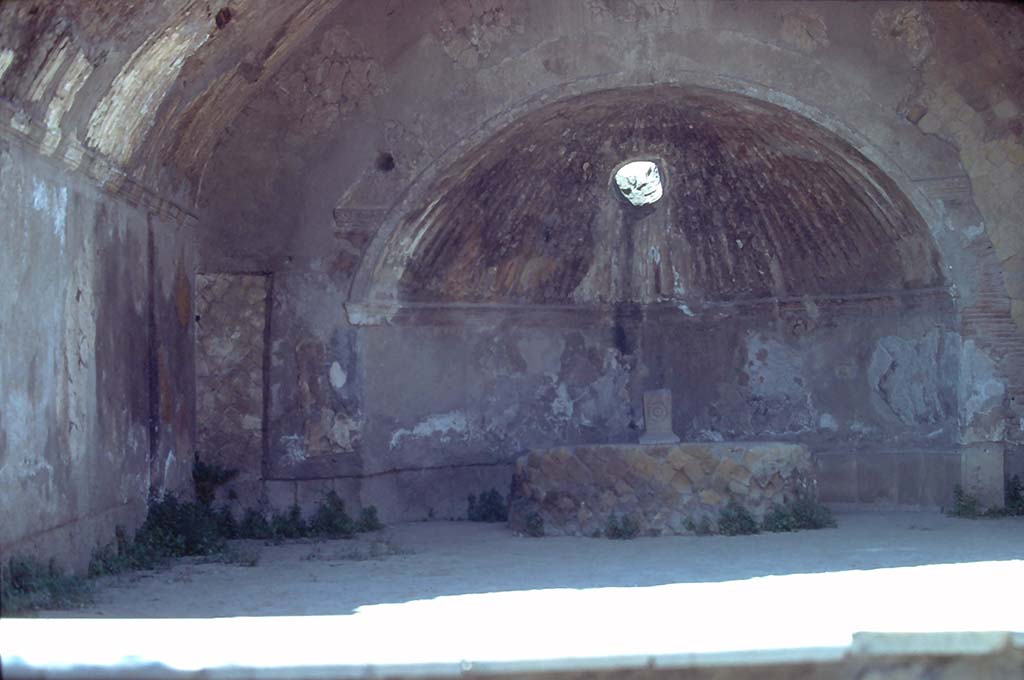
762	203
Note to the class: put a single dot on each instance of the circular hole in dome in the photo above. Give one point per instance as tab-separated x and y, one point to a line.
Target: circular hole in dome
639	182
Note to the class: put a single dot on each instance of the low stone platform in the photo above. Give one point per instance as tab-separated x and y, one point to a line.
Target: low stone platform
662	489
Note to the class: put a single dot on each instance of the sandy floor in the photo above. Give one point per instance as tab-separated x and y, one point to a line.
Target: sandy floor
422	561
441	598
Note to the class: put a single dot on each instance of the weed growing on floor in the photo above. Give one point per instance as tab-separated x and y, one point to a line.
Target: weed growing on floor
330	519
368	520
804	512
622	528
967	505
29	585
534	525
736	520
289	524
254	524
701	528
491	506
964	504
1014	497
174	528
209	477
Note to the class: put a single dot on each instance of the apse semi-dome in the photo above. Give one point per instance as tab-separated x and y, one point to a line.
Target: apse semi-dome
761	203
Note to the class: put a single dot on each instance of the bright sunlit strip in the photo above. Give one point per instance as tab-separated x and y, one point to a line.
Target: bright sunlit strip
791	612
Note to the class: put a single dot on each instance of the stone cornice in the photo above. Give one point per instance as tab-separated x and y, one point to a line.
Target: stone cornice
109	177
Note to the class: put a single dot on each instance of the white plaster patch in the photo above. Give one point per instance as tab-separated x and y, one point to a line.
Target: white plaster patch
338	376
710	436
685	309
63	99
370	314
51	66
862	428
295	450
444	425
677	283
562	406
6	59
828	422
52	202
974	231
128	110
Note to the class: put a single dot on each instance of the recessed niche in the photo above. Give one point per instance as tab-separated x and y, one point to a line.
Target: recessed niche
639	182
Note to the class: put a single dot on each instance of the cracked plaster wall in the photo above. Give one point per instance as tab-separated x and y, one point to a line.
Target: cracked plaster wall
94	293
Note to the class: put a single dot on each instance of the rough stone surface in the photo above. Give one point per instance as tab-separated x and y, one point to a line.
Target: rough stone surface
232	311
666	489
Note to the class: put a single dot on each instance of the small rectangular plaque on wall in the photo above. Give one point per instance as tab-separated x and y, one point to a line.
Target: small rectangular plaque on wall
658	418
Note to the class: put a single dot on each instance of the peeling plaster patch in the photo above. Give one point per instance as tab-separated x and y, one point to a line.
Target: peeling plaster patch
336	79
338	376
677	284
562	406
64	99
54	60
906	29
295	452
6	59
906	376
128	110
828	422
445	425
710	436
169	463
370	314
778	397
685	309
52	202
805	30
470	31
76	391
981	399
974	231
862	428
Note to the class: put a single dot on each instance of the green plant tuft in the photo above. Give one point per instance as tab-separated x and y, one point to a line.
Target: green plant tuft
624	528
736	520
701	528
368	520
491	506
804	512
174	529
330	519
1014	496
964	504
289	524
29	585
534	525
208	477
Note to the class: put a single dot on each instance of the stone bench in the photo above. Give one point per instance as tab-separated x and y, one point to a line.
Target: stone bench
664	489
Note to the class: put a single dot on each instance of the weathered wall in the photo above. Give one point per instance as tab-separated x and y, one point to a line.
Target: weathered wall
95	292
231	313
307	133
